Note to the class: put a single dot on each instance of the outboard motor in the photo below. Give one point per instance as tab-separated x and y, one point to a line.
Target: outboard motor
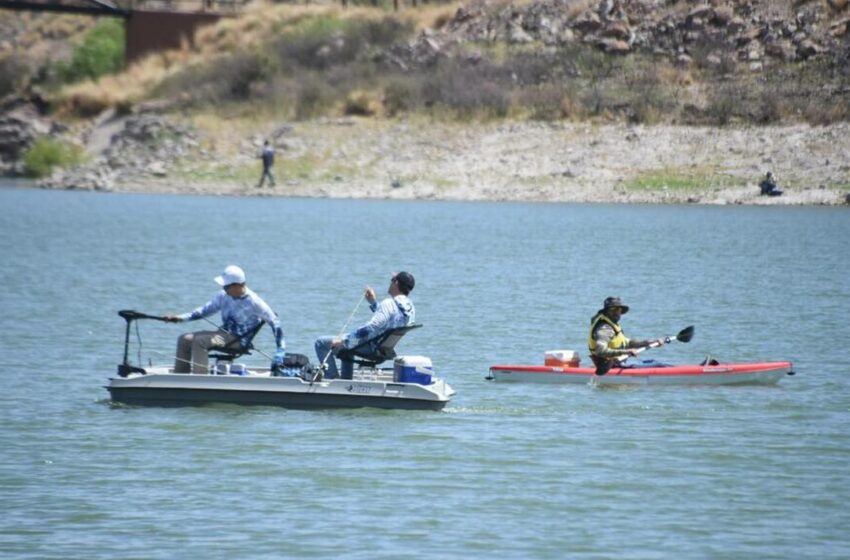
125	368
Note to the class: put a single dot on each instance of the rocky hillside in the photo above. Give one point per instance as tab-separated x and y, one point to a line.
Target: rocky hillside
752	31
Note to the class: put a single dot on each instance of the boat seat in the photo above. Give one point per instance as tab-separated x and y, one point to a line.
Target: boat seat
376	350
235	349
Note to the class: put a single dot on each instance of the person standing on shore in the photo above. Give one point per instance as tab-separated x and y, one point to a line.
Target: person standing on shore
608	346
268	162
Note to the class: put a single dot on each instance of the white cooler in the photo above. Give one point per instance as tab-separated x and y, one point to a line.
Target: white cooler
413	369
561	358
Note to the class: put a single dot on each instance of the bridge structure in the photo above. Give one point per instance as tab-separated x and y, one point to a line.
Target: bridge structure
150	25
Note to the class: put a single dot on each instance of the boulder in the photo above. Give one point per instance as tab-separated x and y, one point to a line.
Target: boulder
617	30
782	49
516	34
735	25
714	60
566	36
749	36
808	48
613	46
157	169
19	128
840	27
588	22
723	16
698	16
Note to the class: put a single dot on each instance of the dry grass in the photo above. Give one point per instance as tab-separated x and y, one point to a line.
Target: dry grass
127	88
241	34
303	61
431	16
578	7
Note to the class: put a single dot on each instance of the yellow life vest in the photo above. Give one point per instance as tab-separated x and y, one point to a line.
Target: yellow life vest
618	341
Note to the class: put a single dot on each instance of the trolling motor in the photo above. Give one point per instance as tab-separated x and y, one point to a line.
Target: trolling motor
125	368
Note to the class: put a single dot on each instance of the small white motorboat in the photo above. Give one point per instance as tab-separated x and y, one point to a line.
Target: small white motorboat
409	384
371	387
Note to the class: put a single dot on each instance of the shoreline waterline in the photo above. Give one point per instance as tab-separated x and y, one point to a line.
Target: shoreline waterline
523	161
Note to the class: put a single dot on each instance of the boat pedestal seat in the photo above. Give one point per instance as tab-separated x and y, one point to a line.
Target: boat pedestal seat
235	349
375	351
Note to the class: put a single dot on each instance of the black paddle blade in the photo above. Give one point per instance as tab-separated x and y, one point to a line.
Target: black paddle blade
686	334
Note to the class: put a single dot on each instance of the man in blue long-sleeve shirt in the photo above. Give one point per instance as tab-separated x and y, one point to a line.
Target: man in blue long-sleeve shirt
241	311
393	312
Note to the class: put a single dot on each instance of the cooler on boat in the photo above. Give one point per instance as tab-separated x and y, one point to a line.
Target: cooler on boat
561	358
413	369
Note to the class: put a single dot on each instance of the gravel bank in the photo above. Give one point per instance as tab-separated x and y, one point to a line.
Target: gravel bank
522	161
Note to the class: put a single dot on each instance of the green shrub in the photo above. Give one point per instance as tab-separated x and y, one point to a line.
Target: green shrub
101	52
399	95
722	105
47	153
313	97
13	72
544	102
469	91
323	42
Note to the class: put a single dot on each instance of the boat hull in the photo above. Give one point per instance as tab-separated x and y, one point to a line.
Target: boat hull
765	373
169	389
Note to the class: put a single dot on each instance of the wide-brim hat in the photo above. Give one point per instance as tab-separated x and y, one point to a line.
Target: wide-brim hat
614	301
231	275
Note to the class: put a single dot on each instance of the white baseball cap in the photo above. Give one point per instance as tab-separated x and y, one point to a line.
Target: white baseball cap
231	275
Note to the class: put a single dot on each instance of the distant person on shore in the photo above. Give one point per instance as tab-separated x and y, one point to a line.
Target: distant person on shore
241	312
267	156
768	185
393	312
608	346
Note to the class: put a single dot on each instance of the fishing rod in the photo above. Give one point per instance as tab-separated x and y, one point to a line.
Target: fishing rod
342	331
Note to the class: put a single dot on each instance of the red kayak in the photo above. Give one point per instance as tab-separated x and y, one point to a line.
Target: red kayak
762	373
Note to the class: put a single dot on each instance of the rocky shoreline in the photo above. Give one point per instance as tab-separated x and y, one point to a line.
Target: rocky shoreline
170	145
503	161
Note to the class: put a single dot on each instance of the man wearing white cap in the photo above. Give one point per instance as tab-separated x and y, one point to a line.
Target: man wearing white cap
241	312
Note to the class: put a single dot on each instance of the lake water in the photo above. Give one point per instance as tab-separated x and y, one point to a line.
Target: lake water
520	471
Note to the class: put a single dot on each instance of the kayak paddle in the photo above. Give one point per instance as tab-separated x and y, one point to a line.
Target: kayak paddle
685	335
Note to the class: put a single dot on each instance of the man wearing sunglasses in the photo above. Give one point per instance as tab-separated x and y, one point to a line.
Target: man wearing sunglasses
241	313
393	312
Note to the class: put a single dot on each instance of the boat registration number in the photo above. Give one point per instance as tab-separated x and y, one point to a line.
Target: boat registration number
361	390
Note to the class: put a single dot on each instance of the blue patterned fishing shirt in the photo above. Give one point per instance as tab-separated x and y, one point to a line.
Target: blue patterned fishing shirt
240	316
391	313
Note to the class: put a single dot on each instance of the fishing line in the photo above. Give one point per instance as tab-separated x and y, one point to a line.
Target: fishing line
344	327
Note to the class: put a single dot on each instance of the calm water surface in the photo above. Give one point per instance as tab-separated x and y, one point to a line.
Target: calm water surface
519	471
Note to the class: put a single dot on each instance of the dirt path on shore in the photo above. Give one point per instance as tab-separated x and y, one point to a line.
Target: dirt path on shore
529	161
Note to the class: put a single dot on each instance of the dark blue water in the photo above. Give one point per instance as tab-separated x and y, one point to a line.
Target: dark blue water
518	470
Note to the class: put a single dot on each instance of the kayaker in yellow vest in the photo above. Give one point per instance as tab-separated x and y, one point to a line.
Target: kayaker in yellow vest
607	344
